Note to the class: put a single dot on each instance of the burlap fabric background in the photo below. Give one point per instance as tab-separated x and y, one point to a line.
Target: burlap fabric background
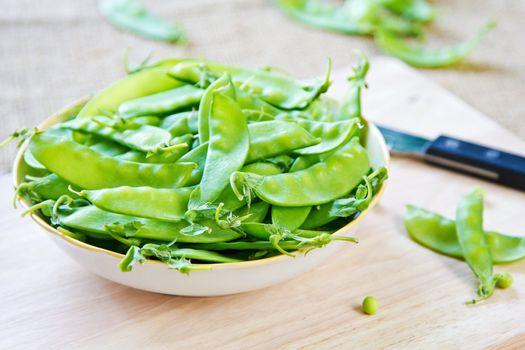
54	51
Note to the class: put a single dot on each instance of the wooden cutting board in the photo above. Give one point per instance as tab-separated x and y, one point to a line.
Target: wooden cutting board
48	301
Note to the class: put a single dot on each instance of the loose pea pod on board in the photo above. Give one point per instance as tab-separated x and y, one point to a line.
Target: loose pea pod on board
131	16
272	87
473	242
439	234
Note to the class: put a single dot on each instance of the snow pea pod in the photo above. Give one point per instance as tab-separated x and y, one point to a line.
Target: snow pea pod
271	138
227	149
197	156
289	218
109	148
228	197
88	169
471	238
439	234
51	186
145	138
349	206
263	232
148	81
332	135
181	123
272	87
162	103
188	253
320	15
257	212
323	182
93	219
131	16
429	58
180	147
147	202
30	160
205	106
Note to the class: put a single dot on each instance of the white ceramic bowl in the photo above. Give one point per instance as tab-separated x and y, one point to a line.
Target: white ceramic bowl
227	278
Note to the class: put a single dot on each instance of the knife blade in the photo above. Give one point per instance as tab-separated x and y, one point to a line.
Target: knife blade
484	162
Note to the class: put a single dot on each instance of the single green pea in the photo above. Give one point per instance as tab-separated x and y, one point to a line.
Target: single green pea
503	280
370	305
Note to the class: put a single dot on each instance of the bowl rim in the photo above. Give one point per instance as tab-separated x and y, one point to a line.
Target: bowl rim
54	118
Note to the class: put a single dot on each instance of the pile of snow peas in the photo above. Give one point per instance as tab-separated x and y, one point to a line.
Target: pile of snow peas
466	239
192	162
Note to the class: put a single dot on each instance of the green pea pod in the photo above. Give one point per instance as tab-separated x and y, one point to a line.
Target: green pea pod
133	17
351	103
147	202
88	169
289	218
48	187
323	182
93	219
271	138
148	81
332	135
473	242
162	103
257	212
324	16
205	106
181	123
429	58
255	105
227	149
274	88
415	10
352	205
196	254
31	161
109	148
197	156
180	147
264	231
228	197
439	234
145	138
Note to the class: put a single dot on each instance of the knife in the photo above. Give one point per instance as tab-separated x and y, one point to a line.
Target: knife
488	163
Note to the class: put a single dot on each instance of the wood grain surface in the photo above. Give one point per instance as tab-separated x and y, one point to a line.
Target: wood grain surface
50	302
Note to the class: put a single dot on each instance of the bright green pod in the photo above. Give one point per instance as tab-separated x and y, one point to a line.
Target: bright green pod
147	202
333	177
162	103
271	138
93	219
439	234
274	88
89	169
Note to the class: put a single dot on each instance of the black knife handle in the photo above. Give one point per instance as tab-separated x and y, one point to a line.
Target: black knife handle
488	163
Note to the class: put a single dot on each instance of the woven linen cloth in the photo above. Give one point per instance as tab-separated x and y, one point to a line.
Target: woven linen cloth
54	51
